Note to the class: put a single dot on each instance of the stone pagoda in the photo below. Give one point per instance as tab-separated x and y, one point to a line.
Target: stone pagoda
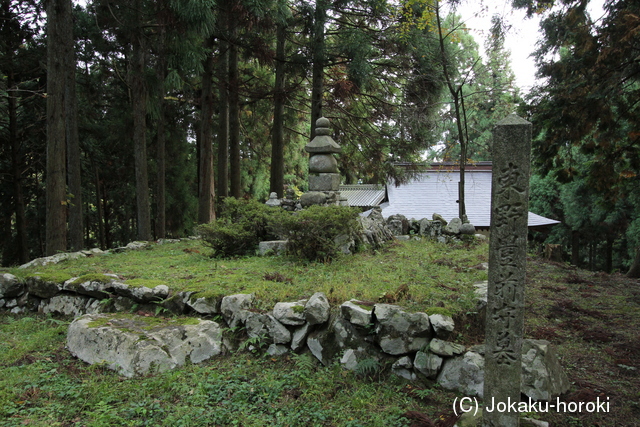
324	177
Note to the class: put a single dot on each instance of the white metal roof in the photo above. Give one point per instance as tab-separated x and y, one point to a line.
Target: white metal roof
437	192
363	195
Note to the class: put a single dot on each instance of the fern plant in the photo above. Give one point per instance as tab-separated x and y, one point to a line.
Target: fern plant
368	367
304	367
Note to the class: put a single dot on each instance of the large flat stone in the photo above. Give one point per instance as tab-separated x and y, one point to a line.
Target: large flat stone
137	345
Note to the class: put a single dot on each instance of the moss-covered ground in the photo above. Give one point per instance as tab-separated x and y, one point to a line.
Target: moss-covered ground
591	318
416	273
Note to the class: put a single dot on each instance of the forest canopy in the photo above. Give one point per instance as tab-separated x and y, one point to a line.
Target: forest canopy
125	120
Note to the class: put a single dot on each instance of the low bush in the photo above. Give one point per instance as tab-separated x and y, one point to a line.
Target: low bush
241	226
312	233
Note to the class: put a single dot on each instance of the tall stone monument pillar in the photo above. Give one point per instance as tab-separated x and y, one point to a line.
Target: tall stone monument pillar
507	262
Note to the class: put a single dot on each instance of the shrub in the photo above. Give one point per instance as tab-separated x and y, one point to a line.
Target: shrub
311	233
241	226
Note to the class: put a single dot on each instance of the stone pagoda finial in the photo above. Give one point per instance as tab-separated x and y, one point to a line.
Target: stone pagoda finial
322	143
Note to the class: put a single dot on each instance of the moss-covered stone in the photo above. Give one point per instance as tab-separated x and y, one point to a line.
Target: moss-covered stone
210	294
91	278
53	277
133	322
149	283
439	310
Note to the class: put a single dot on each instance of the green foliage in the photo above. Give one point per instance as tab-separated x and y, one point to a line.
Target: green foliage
485	89
368	367
312	233
439	310
92	278
44	385
186	266
227	238
241	226
586	132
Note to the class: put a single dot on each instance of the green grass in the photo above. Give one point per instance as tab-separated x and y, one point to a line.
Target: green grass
42	385
590	318
433	273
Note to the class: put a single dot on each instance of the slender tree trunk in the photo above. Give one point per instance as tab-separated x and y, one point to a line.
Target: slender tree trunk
74	166
58	19
222	189
108	237
206	209
575	248
234	110
161	217
634	270
101	235
317	77
7	255
277	142
139	102
608	260
456	94
464	145
22	247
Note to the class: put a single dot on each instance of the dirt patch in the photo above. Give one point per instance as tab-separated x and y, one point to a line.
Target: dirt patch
569	309
574	279
595	333
277	277
548	333
599	334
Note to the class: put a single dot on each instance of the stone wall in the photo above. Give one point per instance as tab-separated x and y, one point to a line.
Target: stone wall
357	334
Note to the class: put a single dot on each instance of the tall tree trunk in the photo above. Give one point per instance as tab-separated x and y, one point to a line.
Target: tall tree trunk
161	217
222	189
101	235
74	166
206	206
234	109
108	238
575	248
139	103
608	256
458	104
58	30
634	270
277	142
318	57
464	144
22	247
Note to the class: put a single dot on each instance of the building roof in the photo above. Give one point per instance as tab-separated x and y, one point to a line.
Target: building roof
363	195
436	191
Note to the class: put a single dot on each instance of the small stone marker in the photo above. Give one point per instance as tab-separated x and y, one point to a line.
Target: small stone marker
507	262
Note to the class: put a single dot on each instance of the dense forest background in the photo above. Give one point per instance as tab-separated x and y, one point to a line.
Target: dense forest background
123	120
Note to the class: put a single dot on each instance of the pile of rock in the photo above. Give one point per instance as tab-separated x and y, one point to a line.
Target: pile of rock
76	296
436	228
417	346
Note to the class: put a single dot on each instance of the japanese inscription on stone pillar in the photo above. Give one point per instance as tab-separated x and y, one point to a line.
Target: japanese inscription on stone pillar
507	262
